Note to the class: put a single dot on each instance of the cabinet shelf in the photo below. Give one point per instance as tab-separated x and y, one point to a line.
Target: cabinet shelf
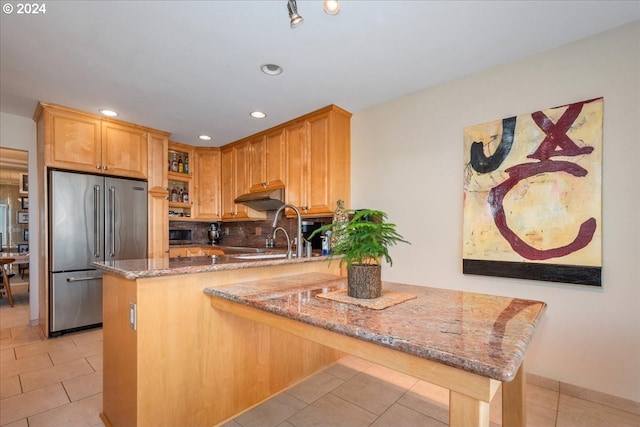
179	157
180	205
177	176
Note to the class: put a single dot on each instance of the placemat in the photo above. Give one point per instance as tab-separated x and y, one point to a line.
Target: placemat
387	299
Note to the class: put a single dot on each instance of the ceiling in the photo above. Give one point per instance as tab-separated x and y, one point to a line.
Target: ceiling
13	159
193	67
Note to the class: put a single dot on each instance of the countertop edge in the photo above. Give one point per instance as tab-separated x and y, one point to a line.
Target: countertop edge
149	268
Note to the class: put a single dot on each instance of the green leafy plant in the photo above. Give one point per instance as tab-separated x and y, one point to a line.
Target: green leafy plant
364	239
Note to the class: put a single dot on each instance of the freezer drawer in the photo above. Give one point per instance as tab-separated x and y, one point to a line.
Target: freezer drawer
76	300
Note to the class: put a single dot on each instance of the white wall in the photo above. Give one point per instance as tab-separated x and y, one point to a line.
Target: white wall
20	133
407	159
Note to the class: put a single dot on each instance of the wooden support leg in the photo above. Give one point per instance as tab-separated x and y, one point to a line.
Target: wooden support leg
465	411
513	401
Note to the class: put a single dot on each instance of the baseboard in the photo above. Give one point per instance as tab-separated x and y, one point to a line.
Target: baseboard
621	403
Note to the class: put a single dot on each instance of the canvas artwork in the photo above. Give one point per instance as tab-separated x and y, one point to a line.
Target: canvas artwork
532	195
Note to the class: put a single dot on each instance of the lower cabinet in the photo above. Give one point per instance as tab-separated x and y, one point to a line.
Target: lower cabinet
184	363
177	252
184	252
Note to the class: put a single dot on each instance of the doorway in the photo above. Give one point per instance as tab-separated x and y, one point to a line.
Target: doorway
14	214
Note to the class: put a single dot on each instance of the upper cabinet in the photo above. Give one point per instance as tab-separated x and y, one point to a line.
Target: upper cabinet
180	180
319	161
124	150
309	156
82	142
267	161
194	183
158	202
207	204
235	167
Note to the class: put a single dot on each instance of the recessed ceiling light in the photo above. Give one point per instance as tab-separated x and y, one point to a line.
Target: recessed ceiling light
332	7
258	115
271	69
108	113
205	137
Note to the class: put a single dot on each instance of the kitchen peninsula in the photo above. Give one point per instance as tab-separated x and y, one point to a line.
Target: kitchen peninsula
196	341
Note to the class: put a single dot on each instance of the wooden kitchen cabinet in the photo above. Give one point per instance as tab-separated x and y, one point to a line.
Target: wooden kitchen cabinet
267	161
158	200
227	190
195	251
207	204
79	141
191	251
124	150
211	251
318	161
71	140
235	181
178	252
180	185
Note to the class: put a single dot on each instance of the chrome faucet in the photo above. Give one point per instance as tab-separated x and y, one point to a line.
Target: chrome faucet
288	240
299	242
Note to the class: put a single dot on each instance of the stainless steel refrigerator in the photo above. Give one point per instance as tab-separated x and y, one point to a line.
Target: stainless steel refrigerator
91	218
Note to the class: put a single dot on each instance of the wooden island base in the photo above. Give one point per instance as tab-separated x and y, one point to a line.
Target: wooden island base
189	365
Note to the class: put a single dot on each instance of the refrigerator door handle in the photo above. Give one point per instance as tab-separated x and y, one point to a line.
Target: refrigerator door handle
83	279
112	219
96	221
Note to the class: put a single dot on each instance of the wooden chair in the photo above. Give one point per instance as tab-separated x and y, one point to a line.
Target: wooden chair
5	278
21	269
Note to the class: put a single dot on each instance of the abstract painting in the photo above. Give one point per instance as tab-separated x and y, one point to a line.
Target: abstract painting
532	204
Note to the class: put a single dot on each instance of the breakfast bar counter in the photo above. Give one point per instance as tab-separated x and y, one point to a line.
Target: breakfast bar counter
466	342
171	360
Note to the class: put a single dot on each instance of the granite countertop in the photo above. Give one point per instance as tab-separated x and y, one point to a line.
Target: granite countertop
484	334
143	268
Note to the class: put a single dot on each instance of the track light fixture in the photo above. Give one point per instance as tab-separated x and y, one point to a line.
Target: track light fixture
332	7
293	14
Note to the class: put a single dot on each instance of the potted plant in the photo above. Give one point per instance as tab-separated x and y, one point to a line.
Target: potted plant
363	242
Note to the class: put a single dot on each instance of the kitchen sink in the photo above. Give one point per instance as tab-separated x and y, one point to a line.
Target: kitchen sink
260	256
228	250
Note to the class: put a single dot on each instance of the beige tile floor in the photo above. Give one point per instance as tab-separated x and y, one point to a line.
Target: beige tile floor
58	382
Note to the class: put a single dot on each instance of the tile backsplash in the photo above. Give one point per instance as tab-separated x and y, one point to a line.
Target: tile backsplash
247	233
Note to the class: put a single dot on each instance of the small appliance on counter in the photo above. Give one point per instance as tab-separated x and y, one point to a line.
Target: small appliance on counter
309	227
214	233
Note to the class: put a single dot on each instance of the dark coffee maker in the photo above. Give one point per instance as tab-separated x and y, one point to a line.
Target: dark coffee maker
309	227
214	233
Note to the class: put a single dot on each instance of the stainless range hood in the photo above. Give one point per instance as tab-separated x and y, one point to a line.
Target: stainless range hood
263	200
